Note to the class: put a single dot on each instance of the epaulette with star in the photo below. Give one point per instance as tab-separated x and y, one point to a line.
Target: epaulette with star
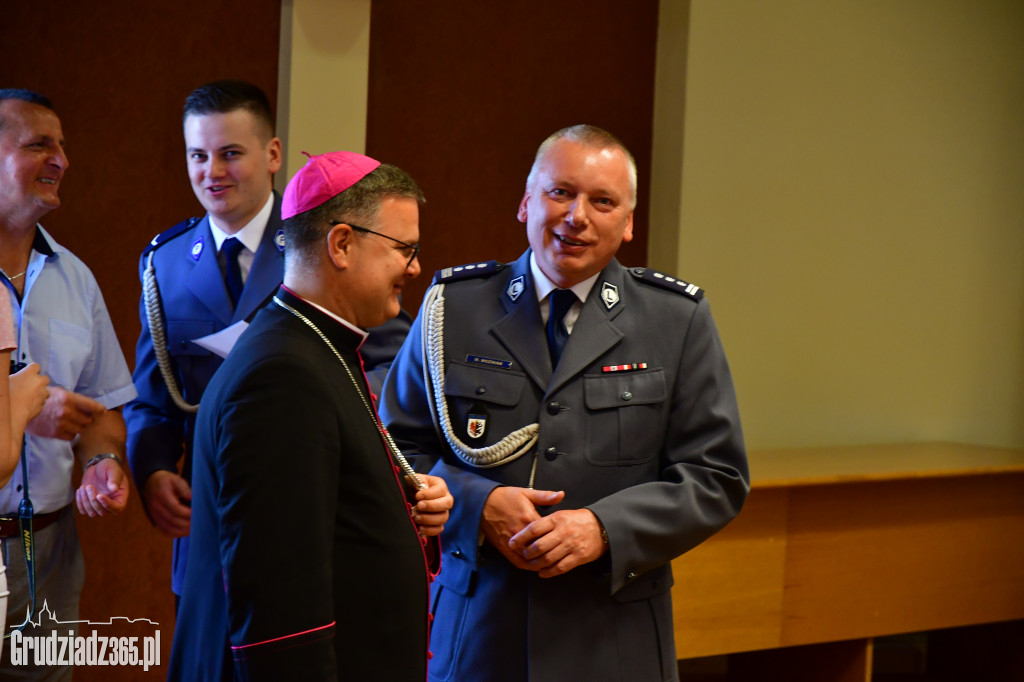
660	279
461	272
167	235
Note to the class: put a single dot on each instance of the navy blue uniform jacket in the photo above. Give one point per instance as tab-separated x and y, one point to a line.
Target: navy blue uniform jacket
195	303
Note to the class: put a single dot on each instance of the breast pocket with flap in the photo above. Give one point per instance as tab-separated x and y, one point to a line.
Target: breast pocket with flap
631	419
478	393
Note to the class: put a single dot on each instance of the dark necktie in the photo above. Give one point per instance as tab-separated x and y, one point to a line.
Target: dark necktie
559	302
232	273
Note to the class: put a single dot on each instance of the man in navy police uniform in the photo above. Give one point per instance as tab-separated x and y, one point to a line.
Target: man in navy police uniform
203	287
585	448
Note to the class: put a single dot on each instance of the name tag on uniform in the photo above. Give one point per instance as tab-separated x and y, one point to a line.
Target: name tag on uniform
490	362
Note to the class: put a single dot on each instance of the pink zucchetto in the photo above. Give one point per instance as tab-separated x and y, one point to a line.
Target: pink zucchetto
324	176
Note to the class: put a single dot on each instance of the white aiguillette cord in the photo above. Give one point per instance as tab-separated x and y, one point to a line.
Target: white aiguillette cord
395	452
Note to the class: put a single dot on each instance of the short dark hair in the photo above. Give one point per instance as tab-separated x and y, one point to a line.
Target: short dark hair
360	204
588	136
223	96
23	95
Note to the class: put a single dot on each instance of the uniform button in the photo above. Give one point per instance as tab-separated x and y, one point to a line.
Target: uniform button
480	390
631	576
554	408
551	454
626	395
457	553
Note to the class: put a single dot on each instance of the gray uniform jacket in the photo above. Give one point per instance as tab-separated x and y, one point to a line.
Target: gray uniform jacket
639	424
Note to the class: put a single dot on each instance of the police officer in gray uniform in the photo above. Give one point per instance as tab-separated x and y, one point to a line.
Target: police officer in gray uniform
584	418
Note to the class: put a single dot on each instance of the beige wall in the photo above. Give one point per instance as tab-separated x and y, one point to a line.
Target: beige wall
323	79
853	201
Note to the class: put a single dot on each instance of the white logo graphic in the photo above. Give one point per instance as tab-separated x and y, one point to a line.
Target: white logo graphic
72	649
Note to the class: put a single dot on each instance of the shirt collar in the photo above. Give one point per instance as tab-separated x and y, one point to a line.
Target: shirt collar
41	242
363	334
544	286
251	234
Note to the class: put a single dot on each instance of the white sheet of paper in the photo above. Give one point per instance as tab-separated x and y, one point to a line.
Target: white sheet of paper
223	341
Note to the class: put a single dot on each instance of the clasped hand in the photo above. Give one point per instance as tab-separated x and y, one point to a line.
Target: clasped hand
550	545
432	505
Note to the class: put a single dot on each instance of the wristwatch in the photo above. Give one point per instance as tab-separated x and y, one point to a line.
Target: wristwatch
96	459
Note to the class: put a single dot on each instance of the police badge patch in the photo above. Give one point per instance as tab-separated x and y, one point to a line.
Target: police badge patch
515	288
197	249
609	294
476	425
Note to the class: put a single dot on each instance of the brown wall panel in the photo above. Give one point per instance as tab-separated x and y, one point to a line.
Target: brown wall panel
118	73
462	92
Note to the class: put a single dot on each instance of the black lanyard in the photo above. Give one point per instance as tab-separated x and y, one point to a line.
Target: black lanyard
25	526
25	511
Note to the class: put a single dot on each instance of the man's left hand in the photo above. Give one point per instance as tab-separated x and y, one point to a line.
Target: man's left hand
104	489
557	543
432	506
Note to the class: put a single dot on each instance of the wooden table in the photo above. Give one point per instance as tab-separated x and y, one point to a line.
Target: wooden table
838	545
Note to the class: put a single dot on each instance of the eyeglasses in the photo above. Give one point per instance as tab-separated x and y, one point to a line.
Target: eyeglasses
407	249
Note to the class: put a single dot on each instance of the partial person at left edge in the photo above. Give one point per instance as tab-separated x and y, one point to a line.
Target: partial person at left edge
201	277
22	397
63	325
